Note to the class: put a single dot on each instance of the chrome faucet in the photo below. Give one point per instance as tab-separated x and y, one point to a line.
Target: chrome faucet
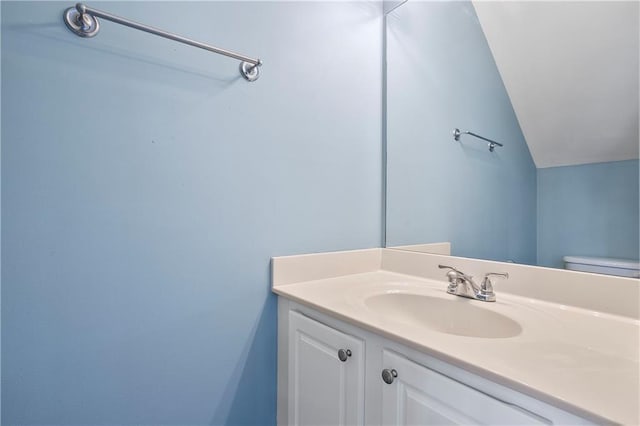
461	284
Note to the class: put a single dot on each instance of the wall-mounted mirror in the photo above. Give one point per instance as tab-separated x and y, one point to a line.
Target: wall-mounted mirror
557	84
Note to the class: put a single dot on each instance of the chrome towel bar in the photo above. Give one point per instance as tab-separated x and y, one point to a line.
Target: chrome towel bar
82	20
492	144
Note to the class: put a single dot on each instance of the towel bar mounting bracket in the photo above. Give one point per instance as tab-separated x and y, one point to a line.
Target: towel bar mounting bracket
83	25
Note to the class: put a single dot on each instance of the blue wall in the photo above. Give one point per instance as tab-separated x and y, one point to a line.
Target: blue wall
588	210
441	75
0	220
145	187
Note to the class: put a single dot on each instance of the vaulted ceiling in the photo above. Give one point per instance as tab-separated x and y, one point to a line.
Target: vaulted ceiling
571	71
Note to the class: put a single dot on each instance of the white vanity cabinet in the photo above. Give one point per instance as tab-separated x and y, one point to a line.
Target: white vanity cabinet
333	373
326	374
416	395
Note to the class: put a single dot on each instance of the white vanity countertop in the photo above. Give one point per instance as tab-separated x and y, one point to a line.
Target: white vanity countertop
579	360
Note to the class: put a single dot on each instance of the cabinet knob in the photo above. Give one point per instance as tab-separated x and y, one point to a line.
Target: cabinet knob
343	354
389	375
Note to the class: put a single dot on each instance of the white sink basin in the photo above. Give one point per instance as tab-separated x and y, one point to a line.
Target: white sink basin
459	316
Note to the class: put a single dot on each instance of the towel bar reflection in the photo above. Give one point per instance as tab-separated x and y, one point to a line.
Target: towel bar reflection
82	20
492	144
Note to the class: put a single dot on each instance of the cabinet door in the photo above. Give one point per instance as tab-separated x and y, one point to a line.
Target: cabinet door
420	396
323	389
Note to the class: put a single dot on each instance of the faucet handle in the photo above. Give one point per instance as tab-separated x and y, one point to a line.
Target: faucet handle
496	274
454	277
459	272
447	267
486	288
486	285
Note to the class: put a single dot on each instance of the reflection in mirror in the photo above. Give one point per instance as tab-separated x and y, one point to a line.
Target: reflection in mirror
556	83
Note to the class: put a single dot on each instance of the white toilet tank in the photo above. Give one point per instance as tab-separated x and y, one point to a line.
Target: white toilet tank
603	265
